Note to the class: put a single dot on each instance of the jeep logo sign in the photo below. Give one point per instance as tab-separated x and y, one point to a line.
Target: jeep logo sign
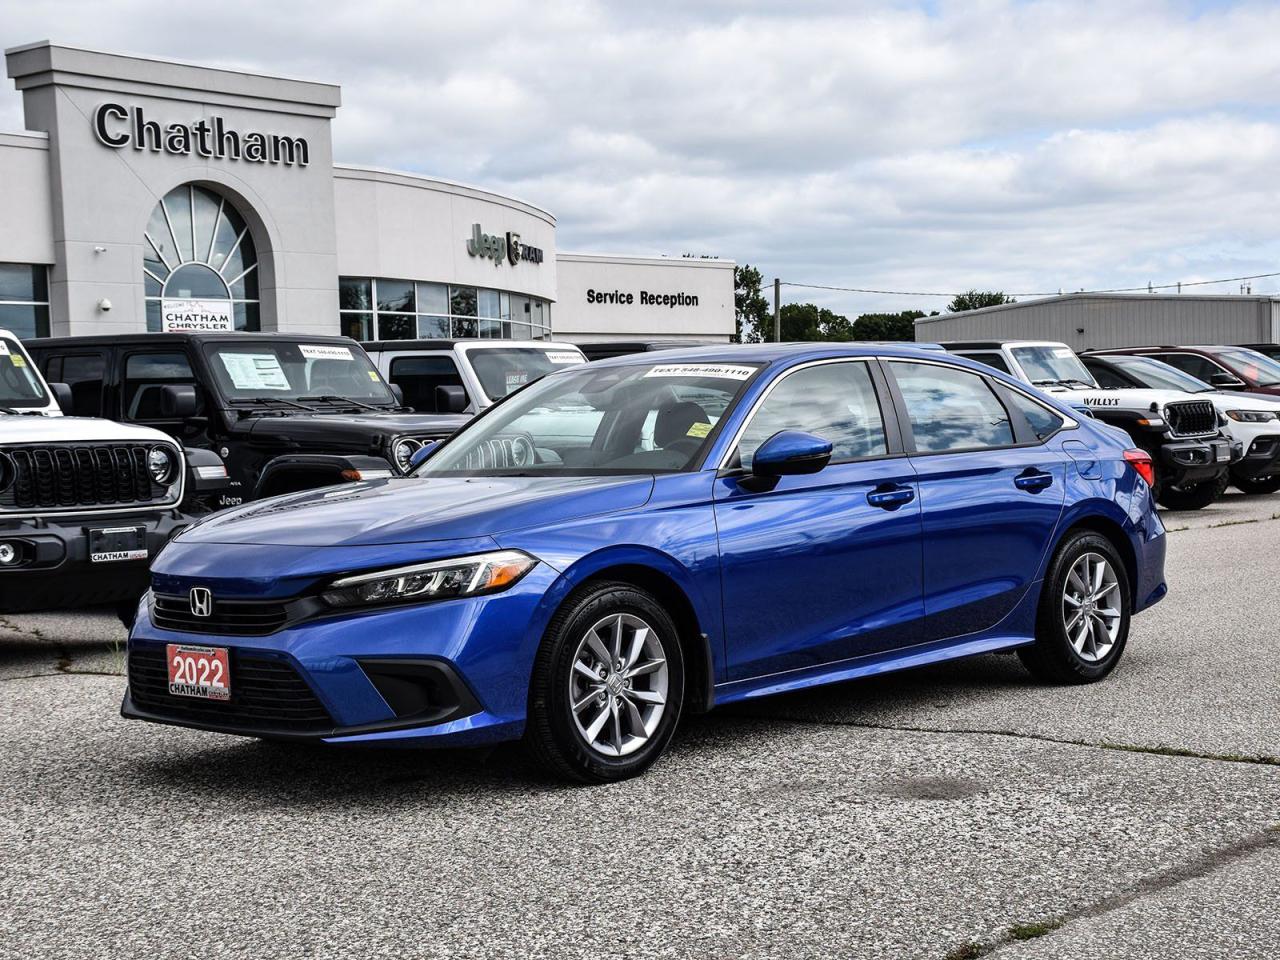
499	248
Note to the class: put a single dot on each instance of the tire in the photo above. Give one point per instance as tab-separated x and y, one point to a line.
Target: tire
602	742
1257	486
1060	655
1195	496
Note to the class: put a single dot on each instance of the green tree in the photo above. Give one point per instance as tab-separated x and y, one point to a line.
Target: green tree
886	326
977	299
753	319
809	322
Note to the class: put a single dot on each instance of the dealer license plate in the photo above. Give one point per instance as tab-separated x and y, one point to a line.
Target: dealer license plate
1224	454
110	544
203	672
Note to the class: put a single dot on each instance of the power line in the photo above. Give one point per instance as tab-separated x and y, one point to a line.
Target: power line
929	293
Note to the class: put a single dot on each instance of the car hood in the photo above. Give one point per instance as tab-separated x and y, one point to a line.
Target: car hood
28	429
1124	398
419	509
361	426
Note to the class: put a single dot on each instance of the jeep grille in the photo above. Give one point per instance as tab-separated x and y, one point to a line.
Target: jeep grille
1192	418
68	476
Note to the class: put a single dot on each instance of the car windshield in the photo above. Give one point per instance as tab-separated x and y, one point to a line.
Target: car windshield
504	370
292	372
20	385
1255	368
633	418
1053	363
1160	376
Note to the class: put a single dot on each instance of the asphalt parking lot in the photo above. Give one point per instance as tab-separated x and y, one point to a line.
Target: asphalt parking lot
949	812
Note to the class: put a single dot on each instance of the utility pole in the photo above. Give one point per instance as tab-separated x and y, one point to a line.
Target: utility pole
777	310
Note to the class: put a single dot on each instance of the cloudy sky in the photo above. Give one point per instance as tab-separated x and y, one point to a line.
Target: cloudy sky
905	146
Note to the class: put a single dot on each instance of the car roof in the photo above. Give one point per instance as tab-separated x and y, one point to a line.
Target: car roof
770	352
953	345
239	336
378	346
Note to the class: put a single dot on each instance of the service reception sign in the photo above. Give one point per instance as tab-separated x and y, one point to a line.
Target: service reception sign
196	316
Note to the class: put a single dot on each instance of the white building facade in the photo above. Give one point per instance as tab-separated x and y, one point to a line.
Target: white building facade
151	195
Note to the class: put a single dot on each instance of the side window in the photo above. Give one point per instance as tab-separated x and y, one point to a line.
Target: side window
951	409
1043	421
145	375
993	359
418	377
836	401
1191	363
1106	376
83	373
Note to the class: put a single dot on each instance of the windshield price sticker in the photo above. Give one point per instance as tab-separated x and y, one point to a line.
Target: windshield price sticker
16	360
316	351
564	356
699	430
1062	352
254	371
715	371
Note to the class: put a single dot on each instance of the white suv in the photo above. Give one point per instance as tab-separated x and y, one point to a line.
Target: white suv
465	376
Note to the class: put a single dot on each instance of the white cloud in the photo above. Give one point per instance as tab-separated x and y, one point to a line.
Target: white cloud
1026	146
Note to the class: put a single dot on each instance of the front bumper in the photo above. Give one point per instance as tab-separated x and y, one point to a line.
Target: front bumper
54	567
1193	461
1261	459
357	673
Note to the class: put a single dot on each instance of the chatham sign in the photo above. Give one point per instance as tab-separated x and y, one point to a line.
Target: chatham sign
498	248
118	126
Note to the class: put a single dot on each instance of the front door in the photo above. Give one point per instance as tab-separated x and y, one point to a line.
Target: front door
992	488
824	567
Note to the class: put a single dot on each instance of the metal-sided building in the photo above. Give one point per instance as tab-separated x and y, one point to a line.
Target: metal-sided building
1086	321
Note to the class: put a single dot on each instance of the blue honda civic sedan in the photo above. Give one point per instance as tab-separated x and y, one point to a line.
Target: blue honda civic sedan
626	541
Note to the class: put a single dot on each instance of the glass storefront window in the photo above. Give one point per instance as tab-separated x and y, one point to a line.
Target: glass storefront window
24	299
376	308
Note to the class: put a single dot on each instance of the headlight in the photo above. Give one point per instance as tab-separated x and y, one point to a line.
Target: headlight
403	452
437	580
161	464
1252	416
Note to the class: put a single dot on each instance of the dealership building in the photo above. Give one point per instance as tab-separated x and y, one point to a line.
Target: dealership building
146	194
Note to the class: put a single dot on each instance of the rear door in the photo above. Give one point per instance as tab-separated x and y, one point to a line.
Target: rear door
992	487
824	567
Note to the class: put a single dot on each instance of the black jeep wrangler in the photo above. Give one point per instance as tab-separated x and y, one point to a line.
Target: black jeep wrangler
284	412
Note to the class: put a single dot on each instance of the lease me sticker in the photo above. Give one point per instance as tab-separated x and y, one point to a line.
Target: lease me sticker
317	351
719	371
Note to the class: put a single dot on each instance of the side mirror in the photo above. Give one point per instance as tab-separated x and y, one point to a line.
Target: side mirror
790	452
422	453
177	401
1227	381
397	393
62	397
450	399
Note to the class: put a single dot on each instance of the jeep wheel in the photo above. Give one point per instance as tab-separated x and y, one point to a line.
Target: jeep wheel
1193	496
607	685
1256	486
1083	621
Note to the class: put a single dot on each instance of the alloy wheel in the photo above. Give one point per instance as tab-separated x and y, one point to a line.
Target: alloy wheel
1091	607
618	684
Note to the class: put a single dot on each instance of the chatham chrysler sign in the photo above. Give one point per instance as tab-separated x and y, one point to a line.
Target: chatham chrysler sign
118	126
498	248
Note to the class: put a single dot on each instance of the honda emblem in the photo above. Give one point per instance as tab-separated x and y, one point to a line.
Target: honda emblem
201	602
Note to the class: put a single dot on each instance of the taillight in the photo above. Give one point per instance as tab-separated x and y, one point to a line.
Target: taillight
1140	460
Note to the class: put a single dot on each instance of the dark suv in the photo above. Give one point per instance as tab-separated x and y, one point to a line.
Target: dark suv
1227	368
284	412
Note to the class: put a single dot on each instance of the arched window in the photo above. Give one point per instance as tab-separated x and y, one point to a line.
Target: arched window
197	247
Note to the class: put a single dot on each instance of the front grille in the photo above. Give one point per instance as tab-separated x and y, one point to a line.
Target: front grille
78	475
266	694
499	453
1191	418
231	618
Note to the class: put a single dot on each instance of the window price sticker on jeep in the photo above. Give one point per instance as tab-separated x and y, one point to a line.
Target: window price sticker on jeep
203	672
111	544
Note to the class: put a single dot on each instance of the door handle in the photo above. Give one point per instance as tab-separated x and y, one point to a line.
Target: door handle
1033	480
889	496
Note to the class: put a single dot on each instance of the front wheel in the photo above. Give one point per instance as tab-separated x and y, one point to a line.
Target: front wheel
1256	486
1193	496
607	685
1083	620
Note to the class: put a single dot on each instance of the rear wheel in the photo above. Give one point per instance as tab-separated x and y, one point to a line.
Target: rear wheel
1257	486
607	685
1193	496
1083	621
